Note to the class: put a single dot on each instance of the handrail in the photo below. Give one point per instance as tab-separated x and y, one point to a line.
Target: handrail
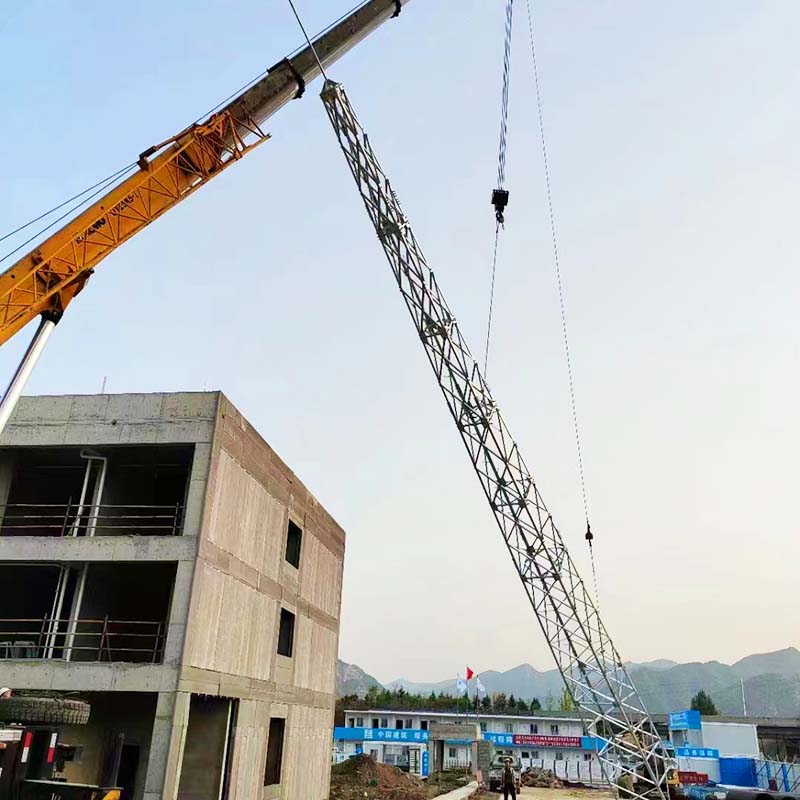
32	638
61	519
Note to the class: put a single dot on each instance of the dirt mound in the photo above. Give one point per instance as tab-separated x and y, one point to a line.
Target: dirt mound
541	778
362	777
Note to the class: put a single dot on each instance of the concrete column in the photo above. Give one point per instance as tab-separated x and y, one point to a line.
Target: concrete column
166	746
6	476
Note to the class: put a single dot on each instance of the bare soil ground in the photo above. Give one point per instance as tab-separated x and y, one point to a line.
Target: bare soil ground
361	778
565	794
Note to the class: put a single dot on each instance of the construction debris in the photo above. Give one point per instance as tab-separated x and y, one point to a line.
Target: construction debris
541	778
362	777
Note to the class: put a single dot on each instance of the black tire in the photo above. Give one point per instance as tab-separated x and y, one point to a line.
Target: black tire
44	710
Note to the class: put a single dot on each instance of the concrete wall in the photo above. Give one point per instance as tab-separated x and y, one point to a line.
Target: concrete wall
112	712
241	582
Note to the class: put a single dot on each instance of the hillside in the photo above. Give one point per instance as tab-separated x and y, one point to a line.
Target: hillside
771	683
351	679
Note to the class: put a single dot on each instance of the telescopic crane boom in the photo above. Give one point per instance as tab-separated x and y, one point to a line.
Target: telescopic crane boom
45	280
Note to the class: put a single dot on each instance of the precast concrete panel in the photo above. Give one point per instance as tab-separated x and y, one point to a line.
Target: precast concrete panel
223	636
306	758
321	577
245	519
315	656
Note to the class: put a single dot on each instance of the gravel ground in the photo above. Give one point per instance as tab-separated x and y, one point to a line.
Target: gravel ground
564	794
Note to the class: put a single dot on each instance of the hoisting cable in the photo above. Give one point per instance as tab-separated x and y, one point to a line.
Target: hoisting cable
562	304
500	194
308	40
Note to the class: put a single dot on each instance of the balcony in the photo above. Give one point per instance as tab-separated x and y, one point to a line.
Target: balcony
53	519
85	612
137	490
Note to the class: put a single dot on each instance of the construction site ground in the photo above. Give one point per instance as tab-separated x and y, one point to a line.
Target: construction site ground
565	794
361	778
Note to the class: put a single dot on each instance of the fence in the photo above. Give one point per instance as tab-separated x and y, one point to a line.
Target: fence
72	519
83	639
777	775
588	772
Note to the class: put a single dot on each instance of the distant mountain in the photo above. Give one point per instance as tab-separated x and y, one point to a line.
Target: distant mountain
659	663
351	679
771	683
781	662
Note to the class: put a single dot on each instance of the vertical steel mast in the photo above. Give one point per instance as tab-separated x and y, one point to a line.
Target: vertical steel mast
632	755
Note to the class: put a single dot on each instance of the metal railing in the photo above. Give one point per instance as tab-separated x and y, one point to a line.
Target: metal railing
780	776
70	519
82	640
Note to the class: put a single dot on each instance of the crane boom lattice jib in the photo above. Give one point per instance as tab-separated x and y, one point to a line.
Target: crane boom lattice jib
631	752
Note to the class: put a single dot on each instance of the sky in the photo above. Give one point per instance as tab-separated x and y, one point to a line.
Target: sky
672	138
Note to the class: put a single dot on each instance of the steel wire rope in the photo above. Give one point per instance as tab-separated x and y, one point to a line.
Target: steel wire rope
500	195
66	202
562	302
100	187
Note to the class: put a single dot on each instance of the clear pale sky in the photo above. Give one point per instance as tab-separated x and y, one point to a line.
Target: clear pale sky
673	138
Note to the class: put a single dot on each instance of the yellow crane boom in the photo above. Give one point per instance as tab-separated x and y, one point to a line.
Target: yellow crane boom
45	280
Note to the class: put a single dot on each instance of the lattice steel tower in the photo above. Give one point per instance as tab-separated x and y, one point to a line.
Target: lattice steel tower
632	757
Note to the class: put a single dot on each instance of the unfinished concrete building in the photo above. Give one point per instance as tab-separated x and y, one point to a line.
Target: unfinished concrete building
159	559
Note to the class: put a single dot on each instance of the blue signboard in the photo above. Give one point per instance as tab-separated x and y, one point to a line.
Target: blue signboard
697	752
499	738
425	764
415	736
685	721
408	735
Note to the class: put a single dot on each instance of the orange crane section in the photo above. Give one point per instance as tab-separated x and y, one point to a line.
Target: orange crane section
46	279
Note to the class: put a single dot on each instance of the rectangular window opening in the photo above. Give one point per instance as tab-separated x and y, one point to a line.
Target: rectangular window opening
272	774
286	634
294	542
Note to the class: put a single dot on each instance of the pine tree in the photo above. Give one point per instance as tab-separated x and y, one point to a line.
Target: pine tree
486	703
703	703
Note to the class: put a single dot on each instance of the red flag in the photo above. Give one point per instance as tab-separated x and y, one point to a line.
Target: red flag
470	673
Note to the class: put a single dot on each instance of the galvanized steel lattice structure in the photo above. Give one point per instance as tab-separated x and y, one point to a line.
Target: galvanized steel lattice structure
632	757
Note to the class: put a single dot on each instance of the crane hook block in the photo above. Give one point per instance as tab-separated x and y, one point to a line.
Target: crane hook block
589	534
500	201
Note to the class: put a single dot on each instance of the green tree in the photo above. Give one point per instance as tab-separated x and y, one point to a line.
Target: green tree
499	702
372	697
703	703
522	706
512	703
486	703
550	701
535	704
565	702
